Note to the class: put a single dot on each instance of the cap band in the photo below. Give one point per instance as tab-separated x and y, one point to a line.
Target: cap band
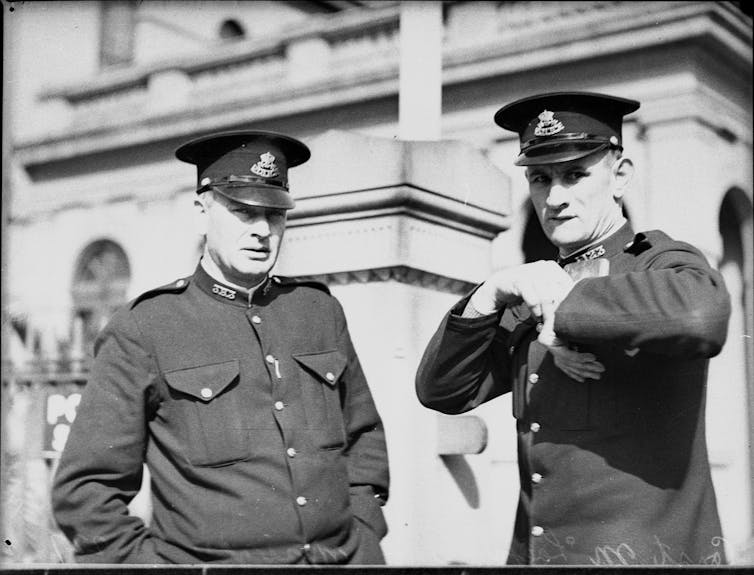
565	138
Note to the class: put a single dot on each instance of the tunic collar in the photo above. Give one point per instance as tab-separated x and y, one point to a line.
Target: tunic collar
224	292
607	247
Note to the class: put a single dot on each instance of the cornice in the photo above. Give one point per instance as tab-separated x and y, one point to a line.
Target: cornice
401	274
563	36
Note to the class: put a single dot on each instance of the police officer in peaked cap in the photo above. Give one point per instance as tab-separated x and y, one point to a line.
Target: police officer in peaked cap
240	391
604	351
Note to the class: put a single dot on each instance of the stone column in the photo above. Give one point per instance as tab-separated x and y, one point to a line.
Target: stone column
399	230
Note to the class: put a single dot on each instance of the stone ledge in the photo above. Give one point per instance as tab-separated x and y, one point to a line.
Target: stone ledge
400	274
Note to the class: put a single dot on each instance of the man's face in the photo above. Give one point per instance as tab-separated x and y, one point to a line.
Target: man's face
575	201
242	241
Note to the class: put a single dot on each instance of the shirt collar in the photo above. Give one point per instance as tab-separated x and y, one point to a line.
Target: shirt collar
607	247
225	292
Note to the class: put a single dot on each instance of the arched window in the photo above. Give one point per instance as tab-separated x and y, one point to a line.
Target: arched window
99	287
534	242
231	30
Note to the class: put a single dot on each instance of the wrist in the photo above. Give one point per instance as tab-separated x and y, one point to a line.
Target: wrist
483	301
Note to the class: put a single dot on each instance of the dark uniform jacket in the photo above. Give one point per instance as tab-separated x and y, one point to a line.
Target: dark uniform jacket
256	422
612	471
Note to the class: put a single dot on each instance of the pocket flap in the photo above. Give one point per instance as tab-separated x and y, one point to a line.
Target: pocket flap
326	365
204	382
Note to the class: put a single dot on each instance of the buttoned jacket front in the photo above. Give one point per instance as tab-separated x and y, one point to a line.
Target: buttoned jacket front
613	471
254	418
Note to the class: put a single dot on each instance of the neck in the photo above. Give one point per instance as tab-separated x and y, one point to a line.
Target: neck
611	229
214	271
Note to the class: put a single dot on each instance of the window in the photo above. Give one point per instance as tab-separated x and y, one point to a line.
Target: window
231	30
99	288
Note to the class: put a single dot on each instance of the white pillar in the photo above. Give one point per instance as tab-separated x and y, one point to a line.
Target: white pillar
420	97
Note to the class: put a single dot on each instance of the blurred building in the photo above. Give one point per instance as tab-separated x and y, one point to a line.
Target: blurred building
97	95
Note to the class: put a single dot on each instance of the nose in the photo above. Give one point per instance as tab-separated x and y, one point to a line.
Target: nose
260	227
558	196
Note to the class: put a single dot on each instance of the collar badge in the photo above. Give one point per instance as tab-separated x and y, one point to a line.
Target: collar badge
266	166
548	124
222	291
597	252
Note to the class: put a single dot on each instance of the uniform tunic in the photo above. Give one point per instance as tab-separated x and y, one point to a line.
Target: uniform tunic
612	471
255	419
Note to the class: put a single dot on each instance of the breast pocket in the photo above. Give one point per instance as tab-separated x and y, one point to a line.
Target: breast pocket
320	380
207	415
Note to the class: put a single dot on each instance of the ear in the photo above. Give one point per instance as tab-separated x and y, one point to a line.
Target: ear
623	173
201	213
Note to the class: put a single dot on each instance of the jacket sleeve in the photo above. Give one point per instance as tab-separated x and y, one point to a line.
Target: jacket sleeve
366	450
100	469
466	363
674	304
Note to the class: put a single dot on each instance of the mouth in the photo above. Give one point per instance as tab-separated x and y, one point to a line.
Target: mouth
259	252
560	218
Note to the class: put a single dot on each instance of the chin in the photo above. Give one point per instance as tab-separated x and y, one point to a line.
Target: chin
566	241
253	271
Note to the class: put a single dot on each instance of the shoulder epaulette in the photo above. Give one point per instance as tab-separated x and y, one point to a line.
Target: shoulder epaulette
176	286
641	243
286	281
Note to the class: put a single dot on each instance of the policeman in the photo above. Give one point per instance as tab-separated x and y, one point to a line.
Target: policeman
241	392
605	352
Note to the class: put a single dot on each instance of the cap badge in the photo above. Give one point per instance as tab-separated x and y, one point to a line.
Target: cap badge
548	124
266	166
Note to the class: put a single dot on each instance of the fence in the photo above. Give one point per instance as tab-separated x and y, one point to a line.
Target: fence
39	404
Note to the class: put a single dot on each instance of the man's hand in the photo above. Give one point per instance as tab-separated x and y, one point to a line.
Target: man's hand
575	364
540	285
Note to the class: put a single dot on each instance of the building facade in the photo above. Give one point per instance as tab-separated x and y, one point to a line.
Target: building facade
97	95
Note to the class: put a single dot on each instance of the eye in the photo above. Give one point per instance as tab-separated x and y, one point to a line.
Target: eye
576	175
275	214
538	179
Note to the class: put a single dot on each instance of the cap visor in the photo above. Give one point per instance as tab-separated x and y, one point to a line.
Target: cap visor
256	196
556	153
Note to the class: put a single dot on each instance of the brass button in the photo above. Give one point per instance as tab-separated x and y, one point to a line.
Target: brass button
533	378
206	392
256	319
330	376
279	405
269	359
291	452
537	531
180	283
536	477
535	427
301	501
